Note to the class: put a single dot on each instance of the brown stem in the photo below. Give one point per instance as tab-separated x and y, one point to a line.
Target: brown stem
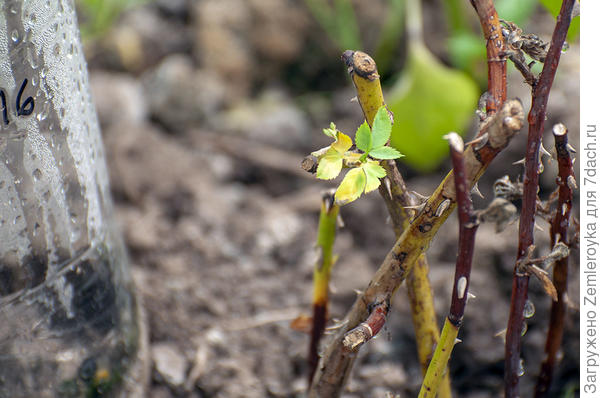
536	119
495	46
467	228
558	233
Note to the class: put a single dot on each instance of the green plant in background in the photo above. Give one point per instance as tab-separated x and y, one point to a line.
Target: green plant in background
365	171
553	7
466	47
428	100
338	20
99	15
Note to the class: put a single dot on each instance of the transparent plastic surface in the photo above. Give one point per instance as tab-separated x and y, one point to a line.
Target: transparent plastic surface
68	317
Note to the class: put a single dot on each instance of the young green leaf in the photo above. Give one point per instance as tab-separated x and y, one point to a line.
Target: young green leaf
428	101
373	172
330	165
385	152
331	131
363	138
382	128
351	187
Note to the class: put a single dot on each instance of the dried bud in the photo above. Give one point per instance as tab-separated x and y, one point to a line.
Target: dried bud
504	188
500	211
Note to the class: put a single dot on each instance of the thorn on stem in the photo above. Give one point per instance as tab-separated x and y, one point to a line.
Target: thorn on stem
476	190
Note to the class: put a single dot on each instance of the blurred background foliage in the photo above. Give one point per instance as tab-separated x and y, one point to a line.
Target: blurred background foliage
429	94
97	16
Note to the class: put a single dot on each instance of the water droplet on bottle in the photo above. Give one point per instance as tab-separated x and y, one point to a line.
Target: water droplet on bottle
565	47
529	309
521	370
54	28
13	9
74	235
56	49
62	112
14	36
36	229
32	58
46	195
37	174
524	329
16	220
43	114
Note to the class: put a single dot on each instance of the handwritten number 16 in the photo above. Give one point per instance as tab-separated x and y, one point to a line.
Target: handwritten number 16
23	109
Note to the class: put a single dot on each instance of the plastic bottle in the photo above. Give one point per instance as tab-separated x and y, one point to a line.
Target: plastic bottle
68	315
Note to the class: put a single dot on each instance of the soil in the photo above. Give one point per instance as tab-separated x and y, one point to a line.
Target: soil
207	109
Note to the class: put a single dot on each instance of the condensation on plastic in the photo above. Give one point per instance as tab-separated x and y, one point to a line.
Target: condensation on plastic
68	319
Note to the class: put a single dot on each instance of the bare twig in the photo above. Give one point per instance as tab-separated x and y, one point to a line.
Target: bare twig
496	48
536	120
466	242
468	227
558	235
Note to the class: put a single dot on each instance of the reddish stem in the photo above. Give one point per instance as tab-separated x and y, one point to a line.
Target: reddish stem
536	120
467	229
364	332
495	46
318	328
558	233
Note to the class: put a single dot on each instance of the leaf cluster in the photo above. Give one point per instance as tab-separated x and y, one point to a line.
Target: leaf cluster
366	172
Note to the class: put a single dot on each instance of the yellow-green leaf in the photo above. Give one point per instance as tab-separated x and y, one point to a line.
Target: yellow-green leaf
373	172
330	165
351	187
342	144
429	101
